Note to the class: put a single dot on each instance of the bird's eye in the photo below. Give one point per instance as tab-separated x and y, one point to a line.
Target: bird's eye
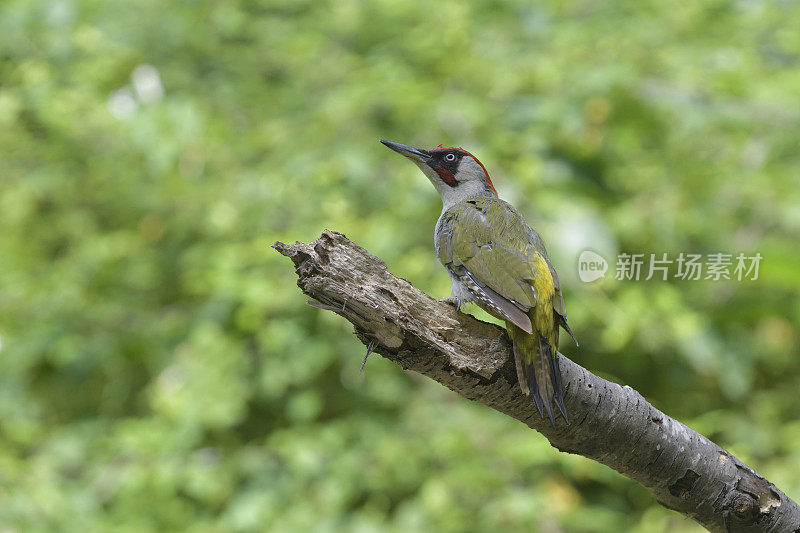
450	157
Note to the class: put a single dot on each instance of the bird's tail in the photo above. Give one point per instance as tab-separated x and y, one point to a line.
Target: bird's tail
538	372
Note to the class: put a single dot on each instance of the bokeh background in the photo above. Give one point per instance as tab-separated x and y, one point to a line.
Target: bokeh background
159	370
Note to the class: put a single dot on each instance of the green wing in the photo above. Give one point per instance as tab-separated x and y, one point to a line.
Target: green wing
493	242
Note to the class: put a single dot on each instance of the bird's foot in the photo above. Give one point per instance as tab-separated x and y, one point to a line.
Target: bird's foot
455	301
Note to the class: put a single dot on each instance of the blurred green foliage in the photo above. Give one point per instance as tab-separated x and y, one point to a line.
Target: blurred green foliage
159	369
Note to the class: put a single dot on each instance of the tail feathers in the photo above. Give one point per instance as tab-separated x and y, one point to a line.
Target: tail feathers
558	385
540	377
526	378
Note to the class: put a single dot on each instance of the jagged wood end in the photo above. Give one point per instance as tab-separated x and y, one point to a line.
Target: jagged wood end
610	423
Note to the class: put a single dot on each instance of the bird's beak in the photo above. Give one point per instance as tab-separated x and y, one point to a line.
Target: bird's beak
415	154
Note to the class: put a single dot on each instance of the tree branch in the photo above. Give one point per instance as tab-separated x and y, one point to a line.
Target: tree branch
611	424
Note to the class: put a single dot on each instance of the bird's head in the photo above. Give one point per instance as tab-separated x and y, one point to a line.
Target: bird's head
456	173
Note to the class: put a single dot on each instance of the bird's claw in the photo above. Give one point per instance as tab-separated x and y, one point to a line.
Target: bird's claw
454	301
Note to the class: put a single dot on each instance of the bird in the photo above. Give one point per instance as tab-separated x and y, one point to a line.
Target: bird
496	260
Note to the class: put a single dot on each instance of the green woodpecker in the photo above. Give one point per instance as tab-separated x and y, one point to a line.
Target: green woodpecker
495	259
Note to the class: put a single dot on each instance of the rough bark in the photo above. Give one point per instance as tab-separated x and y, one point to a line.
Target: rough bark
610	423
